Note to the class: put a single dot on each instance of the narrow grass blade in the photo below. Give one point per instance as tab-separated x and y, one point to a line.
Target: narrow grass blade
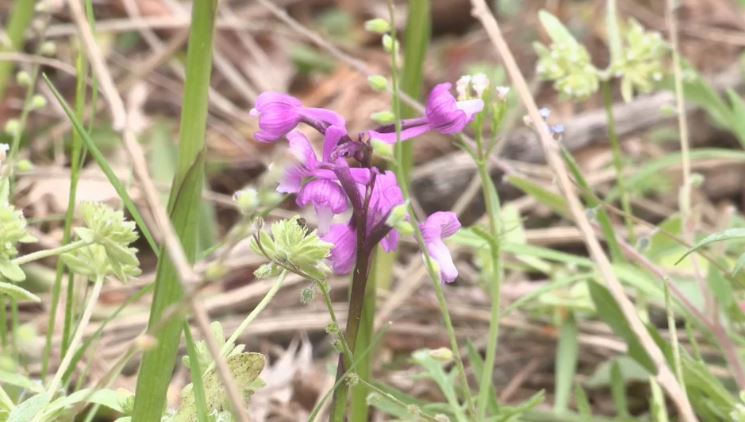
102	162
566	362
183	207
416	41
618	391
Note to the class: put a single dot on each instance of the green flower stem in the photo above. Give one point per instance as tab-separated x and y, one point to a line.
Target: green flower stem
46	253
77	338
429	264
228	346
324	288
494	282
618	161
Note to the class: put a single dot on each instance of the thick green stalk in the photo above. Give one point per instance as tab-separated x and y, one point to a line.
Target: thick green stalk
183	207
358	411
615	145
354	318
19	21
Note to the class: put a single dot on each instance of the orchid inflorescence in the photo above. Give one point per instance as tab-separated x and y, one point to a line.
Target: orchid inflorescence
332	186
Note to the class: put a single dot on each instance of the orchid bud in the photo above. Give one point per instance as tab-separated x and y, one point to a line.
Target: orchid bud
378	82
38	101
390	45
382	149
383	117
378	26
48	48
23	78
13	127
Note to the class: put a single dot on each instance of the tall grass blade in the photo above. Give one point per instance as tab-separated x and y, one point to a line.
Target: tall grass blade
183	207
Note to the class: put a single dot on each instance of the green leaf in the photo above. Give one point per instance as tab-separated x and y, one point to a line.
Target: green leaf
11	271
244	367
610	312
29	408
582	402
566	362
434	370
183	208
19	380
729	234
544	196
18	293
103	164
555	29
618	390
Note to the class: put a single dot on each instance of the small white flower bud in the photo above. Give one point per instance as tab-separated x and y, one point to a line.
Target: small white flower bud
479	83
461	87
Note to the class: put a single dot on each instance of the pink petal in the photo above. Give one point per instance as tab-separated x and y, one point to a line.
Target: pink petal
343	255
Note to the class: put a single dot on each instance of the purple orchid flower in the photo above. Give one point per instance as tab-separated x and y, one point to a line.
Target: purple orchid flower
443	114
438	226
332	187
280	113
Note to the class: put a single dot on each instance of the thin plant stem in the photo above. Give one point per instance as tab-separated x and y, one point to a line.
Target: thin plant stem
76	156
433	273
46	253
494	281
617	154
227	347
323	287
76	339
677	365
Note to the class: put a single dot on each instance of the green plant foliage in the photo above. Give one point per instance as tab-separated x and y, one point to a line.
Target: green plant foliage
642	64
565	62
245	368
109	236
290	245
12	232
